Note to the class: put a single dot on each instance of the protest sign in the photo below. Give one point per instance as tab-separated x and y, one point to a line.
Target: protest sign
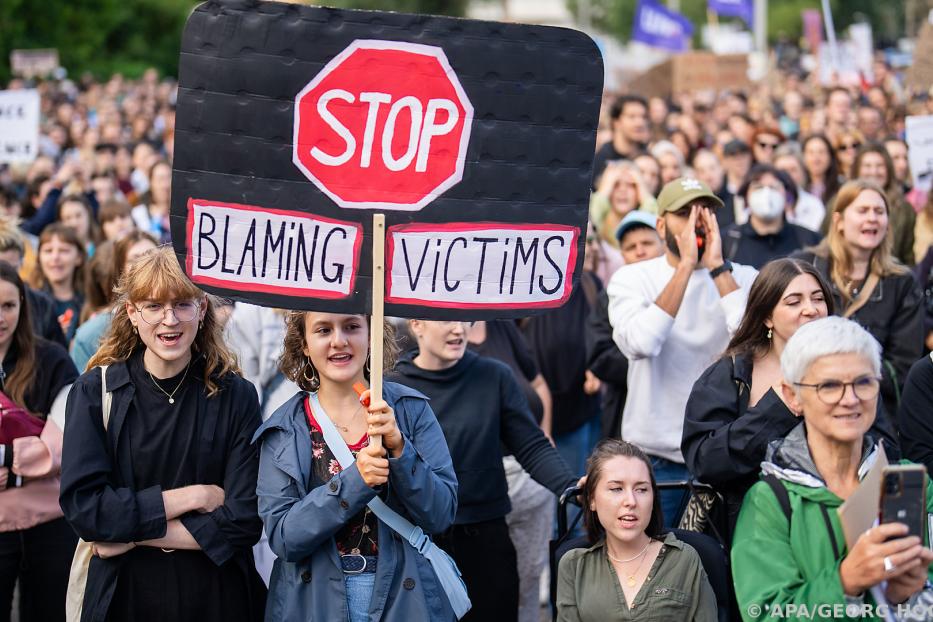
661	27
919	137
19	125
33	63
295	124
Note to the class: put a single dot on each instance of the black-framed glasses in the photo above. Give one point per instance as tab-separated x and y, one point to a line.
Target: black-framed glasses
767	145
831	392
154	312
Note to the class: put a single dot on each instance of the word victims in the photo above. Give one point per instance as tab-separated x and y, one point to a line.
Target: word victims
273	251
463	265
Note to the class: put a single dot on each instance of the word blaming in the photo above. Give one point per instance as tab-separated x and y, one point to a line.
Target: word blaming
266	250
464	265
384	125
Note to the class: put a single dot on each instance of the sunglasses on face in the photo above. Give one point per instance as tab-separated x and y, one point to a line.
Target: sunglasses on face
762	145
849	146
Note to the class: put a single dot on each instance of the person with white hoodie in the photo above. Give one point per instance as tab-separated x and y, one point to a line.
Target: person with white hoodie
671	317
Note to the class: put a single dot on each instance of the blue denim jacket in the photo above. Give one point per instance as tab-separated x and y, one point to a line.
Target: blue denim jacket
302	514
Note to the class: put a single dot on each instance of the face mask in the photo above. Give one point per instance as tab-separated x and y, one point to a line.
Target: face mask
766	203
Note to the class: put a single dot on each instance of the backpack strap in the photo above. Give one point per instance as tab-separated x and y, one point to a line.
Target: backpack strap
781	493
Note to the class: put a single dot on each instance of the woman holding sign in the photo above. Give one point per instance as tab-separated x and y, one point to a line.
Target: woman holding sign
789	549
158	471
321	482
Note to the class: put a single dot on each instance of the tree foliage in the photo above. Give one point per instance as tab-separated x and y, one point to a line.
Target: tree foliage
127	36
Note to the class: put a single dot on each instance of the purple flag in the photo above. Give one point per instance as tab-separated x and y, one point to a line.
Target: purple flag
658	26
734	8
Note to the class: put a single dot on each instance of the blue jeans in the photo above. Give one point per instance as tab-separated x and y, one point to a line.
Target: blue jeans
575	447
359	595
672	501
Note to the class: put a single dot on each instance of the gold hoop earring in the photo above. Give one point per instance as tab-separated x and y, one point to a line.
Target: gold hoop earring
314	382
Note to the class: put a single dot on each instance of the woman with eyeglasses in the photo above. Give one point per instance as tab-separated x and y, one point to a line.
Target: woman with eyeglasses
822	168
163	482
868	284
789	547
846	144
765	141
736	407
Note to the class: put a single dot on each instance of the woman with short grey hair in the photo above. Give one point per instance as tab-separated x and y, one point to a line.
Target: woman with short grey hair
789	546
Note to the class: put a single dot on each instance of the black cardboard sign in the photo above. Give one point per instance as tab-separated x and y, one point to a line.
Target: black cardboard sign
295	124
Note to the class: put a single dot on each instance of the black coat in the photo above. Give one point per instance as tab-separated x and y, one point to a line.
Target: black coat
742	244
97	474
914	416
724	440
894	316
43	317
606	361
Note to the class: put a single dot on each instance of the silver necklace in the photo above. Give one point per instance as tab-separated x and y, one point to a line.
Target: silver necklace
171	396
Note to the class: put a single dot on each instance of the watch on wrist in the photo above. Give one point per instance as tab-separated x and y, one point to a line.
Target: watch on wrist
725	267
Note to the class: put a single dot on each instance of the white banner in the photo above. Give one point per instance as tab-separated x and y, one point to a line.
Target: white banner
480	264
19	125
266	250
920	150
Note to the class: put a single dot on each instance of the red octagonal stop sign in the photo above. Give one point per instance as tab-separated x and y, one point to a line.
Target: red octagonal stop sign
385	125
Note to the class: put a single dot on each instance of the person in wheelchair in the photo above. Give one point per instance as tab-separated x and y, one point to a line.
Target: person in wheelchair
632	569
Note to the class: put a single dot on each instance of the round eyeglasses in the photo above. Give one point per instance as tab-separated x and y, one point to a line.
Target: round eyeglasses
154	312
832	391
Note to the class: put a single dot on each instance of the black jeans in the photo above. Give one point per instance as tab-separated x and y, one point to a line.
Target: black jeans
486	558
40	558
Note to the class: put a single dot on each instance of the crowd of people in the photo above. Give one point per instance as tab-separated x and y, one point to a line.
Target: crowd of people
755	313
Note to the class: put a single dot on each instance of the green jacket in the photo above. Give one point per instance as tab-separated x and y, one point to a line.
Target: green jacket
776	564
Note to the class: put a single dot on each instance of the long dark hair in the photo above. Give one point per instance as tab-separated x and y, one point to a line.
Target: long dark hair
606	450
831	181
20	381
763	297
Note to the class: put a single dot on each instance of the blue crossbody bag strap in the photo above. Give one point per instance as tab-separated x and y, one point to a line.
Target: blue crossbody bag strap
445	568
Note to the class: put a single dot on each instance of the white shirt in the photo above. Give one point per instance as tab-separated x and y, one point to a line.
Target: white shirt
809	211
666	355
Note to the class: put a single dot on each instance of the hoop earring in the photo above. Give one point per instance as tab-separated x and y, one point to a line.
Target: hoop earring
366	367
314	382
769	334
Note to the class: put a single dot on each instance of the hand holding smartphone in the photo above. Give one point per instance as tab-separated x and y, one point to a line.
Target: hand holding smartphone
903	497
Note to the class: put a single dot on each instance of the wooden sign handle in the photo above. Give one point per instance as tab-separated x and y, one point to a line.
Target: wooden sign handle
377	317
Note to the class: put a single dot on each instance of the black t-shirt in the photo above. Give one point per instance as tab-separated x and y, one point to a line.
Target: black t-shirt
505	343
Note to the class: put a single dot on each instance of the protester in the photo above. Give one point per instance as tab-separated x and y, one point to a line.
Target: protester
620	191
103	278
152	214
914	415
42	314
36	544
737	161
531	519
766	235
823	176
846	144
671	316
671	159
736	406
808	211
632	565
323	527
164	485
60	273
868	284
116	220
638	241
629	123
874	164
764	142
798	555
74	211
480	408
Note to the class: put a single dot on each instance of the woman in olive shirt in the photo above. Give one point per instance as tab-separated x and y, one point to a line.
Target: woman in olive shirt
632	571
